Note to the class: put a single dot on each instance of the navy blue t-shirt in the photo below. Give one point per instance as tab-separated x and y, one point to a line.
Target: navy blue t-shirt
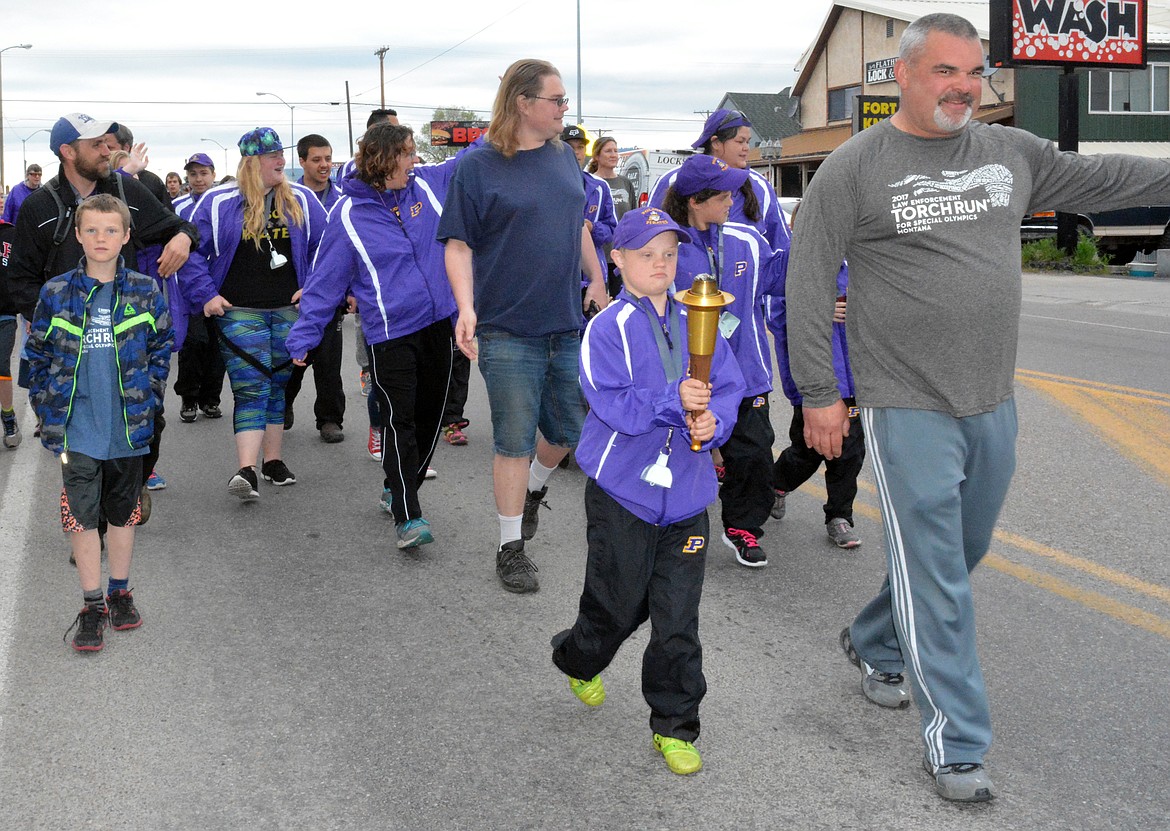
522	219
97	425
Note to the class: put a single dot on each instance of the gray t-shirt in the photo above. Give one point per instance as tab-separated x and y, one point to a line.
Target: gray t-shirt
931	230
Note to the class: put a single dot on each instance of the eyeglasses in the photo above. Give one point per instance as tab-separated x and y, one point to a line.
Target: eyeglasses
732	115
560	102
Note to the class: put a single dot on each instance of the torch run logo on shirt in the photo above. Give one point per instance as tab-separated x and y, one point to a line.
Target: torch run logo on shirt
954	196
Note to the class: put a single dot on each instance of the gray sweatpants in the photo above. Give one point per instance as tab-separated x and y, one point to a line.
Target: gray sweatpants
941	481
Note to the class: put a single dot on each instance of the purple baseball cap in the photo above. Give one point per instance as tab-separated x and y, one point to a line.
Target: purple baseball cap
199	158
701	171
720	120
638	227
70	128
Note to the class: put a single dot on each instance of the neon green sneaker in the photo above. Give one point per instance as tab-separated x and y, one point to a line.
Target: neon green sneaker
592	692
681	757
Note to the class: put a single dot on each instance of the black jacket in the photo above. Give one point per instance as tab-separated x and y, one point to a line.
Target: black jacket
34	258
7	232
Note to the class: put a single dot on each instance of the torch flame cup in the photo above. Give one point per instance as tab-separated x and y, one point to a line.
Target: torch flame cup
704	302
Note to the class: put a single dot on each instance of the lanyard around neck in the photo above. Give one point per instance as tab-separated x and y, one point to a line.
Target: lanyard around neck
715	257
668	353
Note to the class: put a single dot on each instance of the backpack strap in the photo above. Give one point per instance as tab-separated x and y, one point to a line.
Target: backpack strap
62	229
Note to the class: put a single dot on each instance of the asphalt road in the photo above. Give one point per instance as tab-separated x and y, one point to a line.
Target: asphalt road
296	671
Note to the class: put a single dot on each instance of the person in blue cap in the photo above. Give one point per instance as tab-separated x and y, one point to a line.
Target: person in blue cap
199	382
647	494
727	136
259	236
744	264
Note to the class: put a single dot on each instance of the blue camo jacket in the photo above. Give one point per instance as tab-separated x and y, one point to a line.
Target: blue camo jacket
142	342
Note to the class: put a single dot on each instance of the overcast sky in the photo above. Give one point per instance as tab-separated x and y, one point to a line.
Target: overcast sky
185	72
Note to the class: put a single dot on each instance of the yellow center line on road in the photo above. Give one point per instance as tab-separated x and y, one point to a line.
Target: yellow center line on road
1136	422
1147	395
1096	601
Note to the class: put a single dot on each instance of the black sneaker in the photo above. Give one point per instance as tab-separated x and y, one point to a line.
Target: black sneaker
211	411
123	613
188	412
90	624
515	570
244	484
530	522
277	472
746	547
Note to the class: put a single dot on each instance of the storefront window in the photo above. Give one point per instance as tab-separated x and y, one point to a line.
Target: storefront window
1134	91
841	102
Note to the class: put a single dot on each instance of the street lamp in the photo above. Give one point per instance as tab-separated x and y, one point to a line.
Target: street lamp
291	130
24	146
2	51
225	161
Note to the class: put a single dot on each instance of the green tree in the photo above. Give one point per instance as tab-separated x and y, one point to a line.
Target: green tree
422	139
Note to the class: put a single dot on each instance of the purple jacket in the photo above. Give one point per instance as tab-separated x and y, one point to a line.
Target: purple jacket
631	408
18	194
219	216
599	210
776	312
750	269
771	224
332	194
388	259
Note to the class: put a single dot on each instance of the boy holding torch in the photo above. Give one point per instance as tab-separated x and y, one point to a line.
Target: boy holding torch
647	495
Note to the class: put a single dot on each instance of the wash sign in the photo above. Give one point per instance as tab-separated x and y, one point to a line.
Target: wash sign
1098	33
870	109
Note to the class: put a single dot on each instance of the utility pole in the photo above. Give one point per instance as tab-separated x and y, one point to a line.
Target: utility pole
381	53
349	118
579	62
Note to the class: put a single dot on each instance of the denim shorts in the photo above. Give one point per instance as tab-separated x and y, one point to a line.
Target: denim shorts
532	383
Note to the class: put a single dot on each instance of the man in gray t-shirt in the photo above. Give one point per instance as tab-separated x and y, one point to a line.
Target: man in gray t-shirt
926	207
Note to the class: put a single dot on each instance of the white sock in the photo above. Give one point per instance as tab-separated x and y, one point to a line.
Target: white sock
538	474
509	528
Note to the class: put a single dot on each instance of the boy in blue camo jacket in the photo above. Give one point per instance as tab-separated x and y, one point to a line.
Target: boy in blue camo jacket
99	352
647	495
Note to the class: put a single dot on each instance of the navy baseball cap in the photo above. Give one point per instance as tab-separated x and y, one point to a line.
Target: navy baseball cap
70	128
636	228
720	120
700	172
199	158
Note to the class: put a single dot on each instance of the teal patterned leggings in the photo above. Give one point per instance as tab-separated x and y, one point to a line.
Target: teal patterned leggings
258	364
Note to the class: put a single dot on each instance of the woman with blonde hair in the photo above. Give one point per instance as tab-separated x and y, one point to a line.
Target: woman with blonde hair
259	235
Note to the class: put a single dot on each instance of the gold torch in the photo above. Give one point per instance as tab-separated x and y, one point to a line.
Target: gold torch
704	302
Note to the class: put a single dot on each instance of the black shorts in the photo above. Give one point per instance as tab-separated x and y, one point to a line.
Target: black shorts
7	342
96	489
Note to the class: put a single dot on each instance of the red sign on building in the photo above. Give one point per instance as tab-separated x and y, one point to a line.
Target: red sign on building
1063	32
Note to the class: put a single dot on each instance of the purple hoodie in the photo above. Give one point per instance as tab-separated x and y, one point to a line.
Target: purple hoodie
631	408
380	248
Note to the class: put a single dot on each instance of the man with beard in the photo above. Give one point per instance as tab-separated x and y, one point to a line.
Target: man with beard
931	234
45	245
